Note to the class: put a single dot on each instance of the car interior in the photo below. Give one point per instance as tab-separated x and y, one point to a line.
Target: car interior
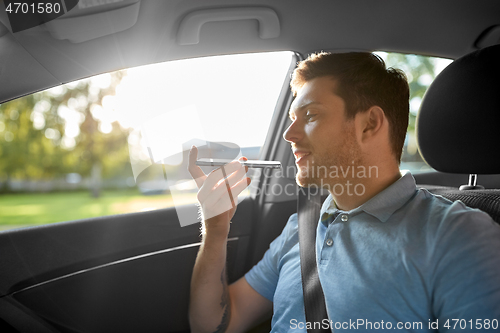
131	272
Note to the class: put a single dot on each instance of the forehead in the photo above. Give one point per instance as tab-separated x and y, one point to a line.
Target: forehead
320	91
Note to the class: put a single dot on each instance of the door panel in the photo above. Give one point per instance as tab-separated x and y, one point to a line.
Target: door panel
131	273
125	273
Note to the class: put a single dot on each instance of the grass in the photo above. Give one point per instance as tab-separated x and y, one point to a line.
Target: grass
22	210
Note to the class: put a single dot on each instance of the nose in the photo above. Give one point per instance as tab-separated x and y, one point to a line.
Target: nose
293	132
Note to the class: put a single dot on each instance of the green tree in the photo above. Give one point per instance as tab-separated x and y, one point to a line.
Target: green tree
49	134
420	71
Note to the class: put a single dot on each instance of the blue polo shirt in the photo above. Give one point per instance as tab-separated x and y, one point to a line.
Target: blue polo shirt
406	260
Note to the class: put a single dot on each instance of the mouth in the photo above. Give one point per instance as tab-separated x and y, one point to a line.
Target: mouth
300	156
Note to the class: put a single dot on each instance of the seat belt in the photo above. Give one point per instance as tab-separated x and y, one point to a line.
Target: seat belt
308	209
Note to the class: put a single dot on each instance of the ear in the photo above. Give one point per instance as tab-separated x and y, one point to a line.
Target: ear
371	122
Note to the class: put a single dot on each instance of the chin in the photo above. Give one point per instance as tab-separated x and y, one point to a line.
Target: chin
301	180
306	181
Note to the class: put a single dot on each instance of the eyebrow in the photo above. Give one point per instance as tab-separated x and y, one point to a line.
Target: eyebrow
301	107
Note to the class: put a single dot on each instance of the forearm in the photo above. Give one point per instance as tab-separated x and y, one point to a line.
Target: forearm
209	309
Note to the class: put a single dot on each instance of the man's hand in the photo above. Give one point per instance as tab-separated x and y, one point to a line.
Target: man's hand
215	306
210	305
218	192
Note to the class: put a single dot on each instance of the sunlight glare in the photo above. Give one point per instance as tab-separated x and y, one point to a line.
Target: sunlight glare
218	86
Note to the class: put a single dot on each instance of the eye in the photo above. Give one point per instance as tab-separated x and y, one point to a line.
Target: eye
309	115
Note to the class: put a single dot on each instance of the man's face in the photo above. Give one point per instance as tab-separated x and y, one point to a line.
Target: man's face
321	137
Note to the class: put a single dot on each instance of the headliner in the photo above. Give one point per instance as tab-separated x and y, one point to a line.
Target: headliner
33	60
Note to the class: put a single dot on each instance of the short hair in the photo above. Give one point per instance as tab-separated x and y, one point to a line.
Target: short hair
363	82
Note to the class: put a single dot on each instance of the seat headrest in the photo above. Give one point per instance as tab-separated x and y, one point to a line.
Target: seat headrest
458	126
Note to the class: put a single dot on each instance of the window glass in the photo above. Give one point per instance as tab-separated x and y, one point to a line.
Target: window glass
103	145
420	71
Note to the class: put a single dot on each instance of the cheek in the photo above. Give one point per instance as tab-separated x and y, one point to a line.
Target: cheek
314	130
320	135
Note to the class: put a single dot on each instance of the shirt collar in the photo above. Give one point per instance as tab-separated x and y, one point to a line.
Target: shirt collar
382	205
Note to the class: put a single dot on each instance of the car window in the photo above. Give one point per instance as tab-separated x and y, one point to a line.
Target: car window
420	71
114	143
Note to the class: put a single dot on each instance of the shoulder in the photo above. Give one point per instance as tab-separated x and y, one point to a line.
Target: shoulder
461	244
438	212
277	249
292	225
455	234
441	227
449	213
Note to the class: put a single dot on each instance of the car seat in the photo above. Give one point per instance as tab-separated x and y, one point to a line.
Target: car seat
458	127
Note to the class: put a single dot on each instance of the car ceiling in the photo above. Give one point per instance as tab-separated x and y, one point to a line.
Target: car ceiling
33	59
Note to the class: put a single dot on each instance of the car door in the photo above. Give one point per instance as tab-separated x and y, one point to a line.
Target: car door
131	272
110	274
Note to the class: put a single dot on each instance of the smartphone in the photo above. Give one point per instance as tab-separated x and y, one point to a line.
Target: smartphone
249	163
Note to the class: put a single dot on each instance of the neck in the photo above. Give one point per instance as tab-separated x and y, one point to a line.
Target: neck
357	191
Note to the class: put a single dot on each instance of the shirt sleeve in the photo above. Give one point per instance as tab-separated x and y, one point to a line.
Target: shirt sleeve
467	272
263	277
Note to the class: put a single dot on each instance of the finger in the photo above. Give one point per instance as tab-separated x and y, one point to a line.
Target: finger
195	171
230	181
216	176
224	186
222	203
243	158
236	190
228	187
220	185
241	186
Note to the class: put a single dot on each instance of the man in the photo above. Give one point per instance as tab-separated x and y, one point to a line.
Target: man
390	256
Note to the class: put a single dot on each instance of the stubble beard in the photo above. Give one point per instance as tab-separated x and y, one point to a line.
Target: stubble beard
343	155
